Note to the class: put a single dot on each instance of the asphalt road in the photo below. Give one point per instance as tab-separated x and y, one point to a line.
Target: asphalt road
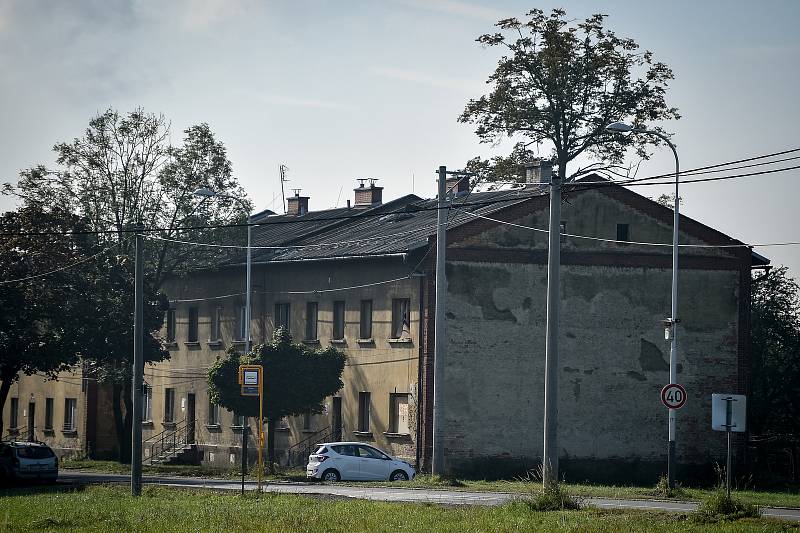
388	494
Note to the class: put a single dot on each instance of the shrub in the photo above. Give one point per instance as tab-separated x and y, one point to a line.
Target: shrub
719	506
662	489
552	498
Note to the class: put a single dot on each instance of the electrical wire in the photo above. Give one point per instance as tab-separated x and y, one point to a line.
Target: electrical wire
637	183
56	271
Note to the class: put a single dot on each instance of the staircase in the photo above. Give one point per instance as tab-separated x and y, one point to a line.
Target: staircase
297	454
172	446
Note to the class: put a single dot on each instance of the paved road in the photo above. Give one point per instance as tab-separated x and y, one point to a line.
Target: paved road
389	494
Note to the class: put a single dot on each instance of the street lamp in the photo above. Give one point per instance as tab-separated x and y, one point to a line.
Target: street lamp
205	192
672	321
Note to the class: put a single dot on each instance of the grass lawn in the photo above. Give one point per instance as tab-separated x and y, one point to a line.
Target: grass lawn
790	497
105	508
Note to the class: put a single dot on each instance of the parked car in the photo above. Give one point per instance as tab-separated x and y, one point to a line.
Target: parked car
334	461
27	461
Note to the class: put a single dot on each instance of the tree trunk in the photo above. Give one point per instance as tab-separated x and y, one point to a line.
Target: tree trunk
271	444
5	386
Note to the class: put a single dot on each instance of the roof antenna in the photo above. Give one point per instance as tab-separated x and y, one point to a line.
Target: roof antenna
283	168
338	197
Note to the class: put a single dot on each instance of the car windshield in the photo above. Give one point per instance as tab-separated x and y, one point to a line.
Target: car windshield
35	452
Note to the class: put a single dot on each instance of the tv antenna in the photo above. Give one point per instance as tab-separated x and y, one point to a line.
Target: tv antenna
283	168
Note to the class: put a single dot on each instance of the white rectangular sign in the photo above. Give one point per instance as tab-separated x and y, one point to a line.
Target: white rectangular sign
719	412
251	377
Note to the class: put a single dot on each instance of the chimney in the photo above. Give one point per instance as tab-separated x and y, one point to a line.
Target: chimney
538	172
368	196
297	205
457	185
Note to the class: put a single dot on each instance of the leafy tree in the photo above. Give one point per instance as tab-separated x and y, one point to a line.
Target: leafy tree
121	171
41	323
775	398
296	380
668	200
561	85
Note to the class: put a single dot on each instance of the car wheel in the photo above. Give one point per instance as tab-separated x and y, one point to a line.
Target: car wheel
398	475
330	475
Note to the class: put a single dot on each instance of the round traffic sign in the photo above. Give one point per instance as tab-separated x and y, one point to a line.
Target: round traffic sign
673	396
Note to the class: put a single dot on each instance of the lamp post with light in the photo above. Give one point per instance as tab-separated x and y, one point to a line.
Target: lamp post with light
672	321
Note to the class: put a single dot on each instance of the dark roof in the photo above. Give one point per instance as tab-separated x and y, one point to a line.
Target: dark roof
399	226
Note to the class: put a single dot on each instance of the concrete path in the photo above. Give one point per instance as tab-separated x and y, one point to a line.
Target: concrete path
389	494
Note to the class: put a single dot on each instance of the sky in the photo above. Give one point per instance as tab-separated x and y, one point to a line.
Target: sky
340	90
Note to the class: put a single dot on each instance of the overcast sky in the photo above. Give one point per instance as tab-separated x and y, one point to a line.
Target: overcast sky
338	90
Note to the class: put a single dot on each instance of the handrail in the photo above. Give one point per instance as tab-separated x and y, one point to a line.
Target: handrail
168	442
167	430
305	440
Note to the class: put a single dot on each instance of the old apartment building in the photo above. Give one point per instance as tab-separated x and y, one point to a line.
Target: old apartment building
362	278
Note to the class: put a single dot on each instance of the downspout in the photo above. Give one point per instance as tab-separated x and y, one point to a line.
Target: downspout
420	367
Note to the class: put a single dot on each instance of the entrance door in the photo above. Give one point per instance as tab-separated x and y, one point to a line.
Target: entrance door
190	419
31	421
336	419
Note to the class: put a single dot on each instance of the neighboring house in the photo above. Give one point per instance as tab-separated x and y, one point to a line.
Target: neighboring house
362	278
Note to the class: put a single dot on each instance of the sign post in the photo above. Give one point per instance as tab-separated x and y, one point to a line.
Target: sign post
251	379
728	414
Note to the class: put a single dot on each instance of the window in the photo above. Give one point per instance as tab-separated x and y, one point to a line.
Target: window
312	309
307	419
191	336
283	423
147	403
213	413
401	318
238	420
623	232
170	325
169	405
241	320
398	413
216	324
70	406
366	320
363	412
282	316
562	230
48	413
338	320
369	452
14	418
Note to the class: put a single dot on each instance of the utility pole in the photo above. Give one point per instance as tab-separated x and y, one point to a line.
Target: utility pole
439	341
138	365
550	449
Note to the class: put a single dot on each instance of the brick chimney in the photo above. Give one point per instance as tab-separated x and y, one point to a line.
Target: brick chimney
297	205
457	185
537	172
368	196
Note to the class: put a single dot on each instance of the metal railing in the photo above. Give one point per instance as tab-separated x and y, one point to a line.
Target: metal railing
297	454
169	443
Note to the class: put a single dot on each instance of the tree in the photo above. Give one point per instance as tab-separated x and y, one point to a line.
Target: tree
562	85
296	380
668	200
40	318
775	336
121	171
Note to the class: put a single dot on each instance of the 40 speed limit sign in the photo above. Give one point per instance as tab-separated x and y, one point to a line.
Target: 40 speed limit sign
673	396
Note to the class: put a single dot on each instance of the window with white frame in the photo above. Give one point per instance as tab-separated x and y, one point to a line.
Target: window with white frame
70	412
147	403
401	318
398	413
216	324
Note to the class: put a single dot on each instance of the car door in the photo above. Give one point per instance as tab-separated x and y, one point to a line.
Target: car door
372	463
347	461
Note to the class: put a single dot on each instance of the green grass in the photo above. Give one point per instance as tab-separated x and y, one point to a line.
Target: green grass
161	509
787	498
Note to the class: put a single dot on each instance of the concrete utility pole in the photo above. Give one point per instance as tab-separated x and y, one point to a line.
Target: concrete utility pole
138	365
439	341
550	449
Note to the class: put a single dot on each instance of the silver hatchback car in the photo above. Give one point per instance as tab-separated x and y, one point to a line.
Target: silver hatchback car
27	461
334	461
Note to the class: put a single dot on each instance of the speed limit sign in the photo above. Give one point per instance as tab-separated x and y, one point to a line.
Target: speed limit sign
673	396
